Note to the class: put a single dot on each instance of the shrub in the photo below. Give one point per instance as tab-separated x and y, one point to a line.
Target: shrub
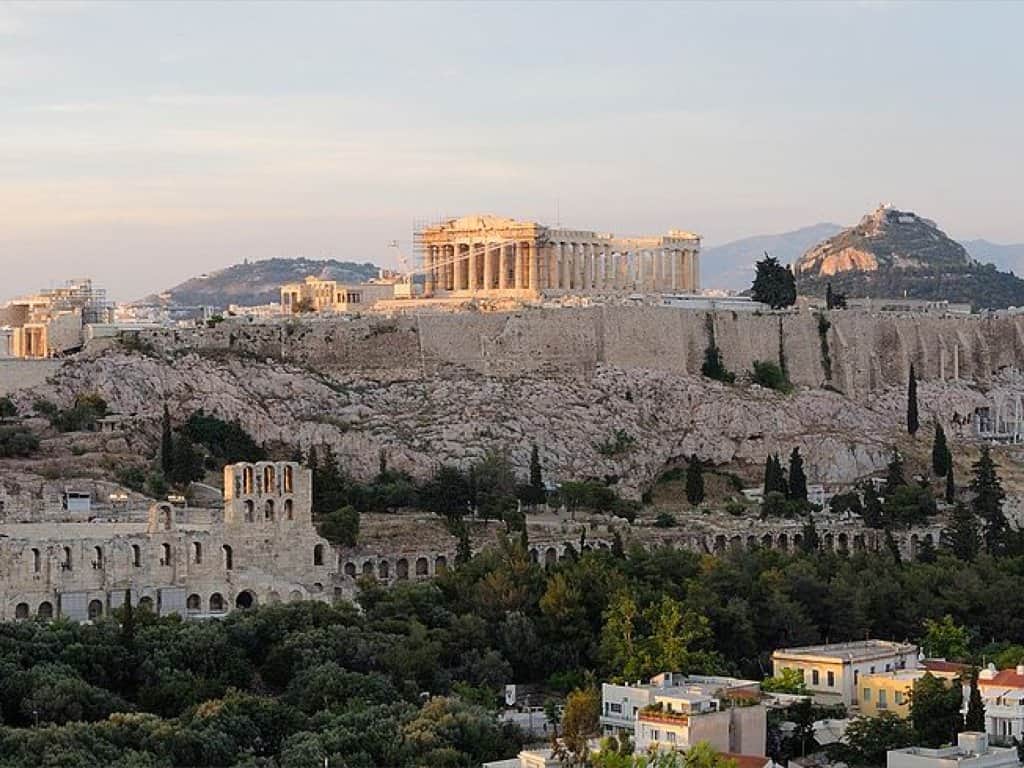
7	408
17	442
665	520
769	374
620	442
340	527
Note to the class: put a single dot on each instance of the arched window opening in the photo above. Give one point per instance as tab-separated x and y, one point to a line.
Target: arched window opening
422	566
216	603
247	480
194	603
165	554
36	561
318	554
21	611
95	610
197	552
66	562
229	561
268	510
289	512
250	510
146	604
97	558
350	570
45	610
288	480
245	600
383	569
440	564
136	555
269	481
402	568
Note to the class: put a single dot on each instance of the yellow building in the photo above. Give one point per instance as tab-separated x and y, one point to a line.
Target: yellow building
890	691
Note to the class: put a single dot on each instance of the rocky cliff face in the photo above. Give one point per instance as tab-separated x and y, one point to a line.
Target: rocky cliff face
423	422
893	253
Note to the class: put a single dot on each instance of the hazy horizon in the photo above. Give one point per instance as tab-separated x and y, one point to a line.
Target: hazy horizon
143	144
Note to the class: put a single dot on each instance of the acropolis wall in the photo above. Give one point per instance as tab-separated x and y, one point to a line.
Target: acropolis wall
865	352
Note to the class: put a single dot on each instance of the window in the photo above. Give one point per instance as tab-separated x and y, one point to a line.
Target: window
36	560
656	735
616	708
136	556
856	677
831	679
197	553
882	703
287	479
815	677
66	564
318	554
670	737
898	697
165	554
97	557
227	558
867	695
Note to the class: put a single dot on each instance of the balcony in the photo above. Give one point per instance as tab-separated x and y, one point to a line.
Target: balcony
657	714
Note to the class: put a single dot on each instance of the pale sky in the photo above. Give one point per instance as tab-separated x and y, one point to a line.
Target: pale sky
142	144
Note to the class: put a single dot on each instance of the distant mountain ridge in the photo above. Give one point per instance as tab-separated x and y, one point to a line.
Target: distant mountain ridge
731	265
891	253
258	282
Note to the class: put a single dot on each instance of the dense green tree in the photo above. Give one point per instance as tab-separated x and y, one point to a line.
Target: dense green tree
694	481
774	476
945	639
961	537
580	722
186	463
988	502
941	457
974	720
447	493
329	484
868	739
913	422
935	711
774	284
810	541
894	477
340	527
873	513
535	492
8	410
18	442
797	477
769	374
834	299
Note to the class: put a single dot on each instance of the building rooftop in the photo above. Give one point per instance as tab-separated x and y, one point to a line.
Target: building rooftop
858	650
1007	678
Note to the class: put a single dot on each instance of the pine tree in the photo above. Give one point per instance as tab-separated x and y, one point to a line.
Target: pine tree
941	456
975	718
961	537
166	443
912	420
774	284
950	483
694	481
797	477
988	502
894	473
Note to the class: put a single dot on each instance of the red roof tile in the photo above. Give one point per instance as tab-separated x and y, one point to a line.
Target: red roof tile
941	665
1008	678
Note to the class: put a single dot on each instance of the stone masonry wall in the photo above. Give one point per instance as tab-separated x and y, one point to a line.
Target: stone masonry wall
867	352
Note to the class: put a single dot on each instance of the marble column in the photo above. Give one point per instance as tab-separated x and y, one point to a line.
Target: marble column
502	271
471	262
534	276
460	274
675	270
564	262
488	266
517	266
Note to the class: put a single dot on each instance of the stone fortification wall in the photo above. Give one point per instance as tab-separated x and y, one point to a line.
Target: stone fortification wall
21	374
864	352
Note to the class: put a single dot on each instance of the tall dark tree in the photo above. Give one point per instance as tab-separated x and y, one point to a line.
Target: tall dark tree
988	502
536	478
961	537
774	476
950	483
974	720
912	418
797	477
834	299
166	442
774	284
694	481
810	541
941	456
872	508
186	462
894	477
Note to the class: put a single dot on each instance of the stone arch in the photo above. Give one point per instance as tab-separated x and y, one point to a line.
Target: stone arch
45	610
422	567
245	599
829	540
318	554
383	569
368	568
289	480
766	541
66	562
136	556
402	568
550	556
166	555
783	542
21	611
250	511
929	540
798	540
735	543
289	509
350	569
165	517
268	510
914	545
751	542
95	610
440	564
216	603
146	603
194	603
294	596
842	542
534	555
227	557
247	480
858	542
720	543
317	588
269	479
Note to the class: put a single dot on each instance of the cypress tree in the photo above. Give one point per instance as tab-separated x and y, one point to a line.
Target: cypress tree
166	443
912	420
537	493
950	483
893	547
988	502
797	477
694	481
810	541
940	452
894	473
464	550
872	515
961	537
975	718
774	476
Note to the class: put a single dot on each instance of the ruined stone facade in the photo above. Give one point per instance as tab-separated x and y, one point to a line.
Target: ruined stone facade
262	549
489	255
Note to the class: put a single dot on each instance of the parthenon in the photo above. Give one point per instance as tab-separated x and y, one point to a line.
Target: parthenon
493	255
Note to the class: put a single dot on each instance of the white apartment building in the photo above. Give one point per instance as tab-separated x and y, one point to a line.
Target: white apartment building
1003	695
832	671
675	712
971	751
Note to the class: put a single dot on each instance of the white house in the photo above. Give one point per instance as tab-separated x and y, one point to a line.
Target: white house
971	751
1002	693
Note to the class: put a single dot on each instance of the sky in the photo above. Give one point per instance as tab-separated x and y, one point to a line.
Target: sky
142	144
